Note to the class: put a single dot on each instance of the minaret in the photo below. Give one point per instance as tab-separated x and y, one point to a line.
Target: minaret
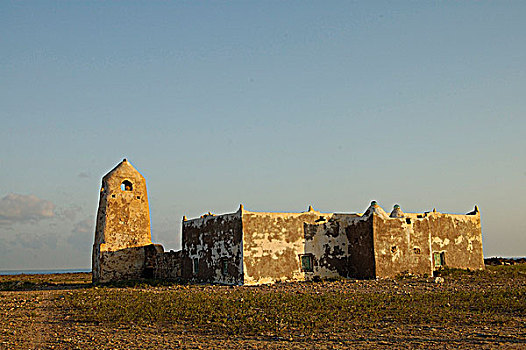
123	225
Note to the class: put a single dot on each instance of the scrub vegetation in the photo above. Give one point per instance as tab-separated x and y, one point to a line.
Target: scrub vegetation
467	308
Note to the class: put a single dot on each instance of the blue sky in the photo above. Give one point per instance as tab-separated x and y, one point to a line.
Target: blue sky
276	105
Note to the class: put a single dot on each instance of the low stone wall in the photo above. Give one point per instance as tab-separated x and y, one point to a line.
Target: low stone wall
168	265
495	261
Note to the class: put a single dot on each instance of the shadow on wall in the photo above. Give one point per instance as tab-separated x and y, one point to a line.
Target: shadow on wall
147	261
339	246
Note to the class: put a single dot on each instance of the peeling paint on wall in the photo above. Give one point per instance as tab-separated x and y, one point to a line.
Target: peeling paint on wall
273	244
212	249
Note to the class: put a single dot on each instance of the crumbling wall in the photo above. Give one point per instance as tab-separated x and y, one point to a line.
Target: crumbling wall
122	264
458	237
420	243
252	248
327	244
212	249
168	265
273	244
401	245
341	245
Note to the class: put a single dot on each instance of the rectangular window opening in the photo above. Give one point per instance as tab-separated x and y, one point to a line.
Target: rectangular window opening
224	266
195	266
440	259
306	263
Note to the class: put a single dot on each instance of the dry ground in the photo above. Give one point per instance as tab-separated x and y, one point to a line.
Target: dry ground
468	310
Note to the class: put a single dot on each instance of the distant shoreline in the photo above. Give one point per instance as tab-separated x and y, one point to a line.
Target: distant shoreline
55	271
42	272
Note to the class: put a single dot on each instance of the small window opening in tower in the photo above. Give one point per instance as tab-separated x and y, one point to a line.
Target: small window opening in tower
126	186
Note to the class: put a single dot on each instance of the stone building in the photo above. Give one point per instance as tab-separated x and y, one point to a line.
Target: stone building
248	247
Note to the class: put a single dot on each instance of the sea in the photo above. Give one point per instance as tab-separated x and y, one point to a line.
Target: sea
41	272
49	272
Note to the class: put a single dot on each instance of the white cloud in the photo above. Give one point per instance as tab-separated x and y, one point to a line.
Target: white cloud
68	213
34	241
19	208
83	234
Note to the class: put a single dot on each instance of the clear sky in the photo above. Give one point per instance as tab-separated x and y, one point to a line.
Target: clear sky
276	105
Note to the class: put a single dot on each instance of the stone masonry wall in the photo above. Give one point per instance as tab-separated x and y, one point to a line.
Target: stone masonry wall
401	246
123	225
339	245
168	265
274	242
459	238
120	265
212	249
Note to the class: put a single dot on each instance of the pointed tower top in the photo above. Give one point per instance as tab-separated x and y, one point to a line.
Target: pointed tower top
311	208
124	169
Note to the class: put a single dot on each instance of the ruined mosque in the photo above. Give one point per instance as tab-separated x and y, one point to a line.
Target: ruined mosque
250	248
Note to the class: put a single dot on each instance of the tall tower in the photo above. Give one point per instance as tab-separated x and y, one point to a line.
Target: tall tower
123	226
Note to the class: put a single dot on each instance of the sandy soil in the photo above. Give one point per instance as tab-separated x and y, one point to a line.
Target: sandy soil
35	319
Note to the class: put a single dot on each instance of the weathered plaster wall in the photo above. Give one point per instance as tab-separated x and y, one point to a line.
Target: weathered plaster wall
273	243
327	242
407	244
122	264
401	245
213	241
168	265
123	222
459	237
341	246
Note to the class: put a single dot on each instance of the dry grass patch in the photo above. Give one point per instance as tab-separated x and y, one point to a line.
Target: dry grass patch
311	311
